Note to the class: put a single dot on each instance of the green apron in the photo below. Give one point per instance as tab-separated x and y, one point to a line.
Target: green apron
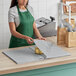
25	27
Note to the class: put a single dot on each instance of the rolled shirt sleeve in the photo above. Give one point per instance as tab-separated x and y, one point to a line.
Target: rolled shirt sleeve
11	16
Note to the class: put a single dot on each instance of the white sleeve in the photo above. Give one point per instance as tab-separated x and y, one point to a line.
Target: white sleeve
11	16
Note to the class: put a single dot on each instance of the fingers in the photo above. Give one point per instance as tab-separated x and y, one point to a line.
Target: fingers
39	38
42	38
30	41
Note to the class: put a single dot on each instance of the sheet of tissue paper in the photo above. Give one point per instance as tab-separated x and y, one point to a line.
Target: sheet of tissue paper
49	49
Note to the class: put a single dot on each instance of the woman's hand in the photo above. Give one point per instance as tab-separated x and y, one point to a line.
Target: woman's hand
29	40
41	38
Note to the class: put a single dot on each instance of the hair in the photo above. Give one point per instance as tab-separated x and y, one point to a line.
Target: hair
15	2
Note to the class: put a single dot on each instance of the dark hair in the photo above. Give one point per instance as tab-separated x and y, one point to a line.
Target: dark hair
14	3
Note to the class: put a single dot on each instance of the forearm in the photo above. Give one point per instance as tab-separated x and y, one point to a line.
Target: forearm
18	35
37	33
14	32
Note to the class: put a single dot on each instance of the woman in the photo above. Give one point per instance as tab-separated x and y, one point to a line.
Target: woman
22	25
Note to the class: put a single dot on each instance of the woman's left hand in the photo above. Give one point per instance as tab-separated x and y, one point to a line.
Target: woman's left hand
41	38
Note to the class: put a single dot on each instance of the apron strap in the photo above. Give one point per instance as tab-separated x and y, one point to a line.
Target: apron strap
19	10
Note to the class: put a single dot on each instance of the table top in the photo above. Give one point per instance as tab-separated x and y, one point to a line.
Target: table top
8	66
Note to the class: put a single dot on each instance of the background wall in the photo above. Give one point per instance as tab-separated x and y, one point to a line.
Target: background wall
41	8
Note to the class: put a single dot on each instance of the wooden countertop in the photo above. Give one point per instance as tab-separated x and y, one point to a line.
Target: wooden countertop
8	66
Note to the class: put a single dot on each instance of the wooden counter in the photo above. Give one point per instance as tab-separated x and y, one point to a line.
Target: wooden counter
8	66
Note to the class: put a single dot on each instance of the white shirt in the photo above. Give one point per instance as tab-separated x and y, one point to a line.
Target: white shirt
13	14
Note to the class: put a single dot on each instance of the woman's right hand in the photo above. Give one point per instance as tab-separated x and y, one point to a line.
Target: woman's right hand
29	40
